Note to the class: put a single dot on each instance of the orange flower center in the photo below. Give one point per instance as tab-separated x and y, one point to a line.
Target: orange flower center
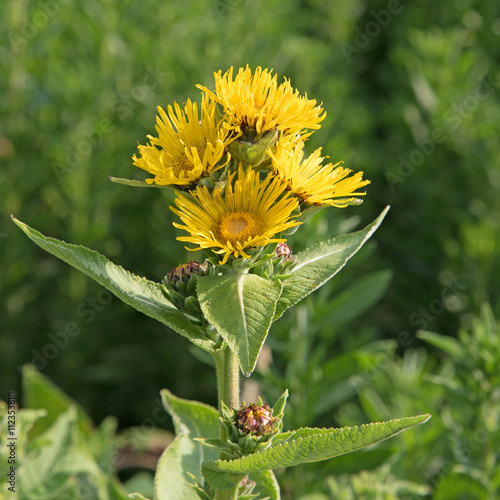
238	227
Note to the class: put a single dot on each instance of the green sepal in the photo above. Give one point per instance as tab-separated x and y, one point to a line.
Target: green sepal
180	287
247	443
218	444
253	150
227	413
191	285
279	406
264	270
207	182
177	299
192	304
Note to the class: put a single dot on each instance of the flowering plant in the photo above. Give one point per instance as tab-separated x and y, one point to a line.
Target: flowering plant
242	183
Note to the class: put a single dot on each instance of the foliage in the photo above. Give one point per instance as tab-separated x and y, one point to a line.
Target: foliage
99	60
380	103
59	453
241	305
462	390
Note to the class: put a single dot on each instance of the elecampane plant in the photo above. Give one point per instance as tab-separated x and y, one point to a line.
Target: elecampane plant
243	182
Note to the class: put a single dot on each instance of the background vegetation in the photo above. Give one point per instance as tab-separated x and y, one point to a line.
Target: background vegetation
411	91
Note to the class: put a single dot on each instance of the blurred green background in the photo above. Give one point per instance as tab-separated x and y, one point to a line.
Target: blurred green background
411	91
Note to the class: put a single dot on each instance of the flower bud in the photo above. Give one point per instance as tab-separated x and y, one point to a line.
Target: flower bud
185	271
208	182
255	420
283	259
252	150
180	286
283	250
252	428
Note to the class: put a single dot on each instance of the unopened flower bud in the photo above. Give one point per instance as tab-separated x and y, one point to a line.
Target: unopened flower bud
180	286
252	149
184	272
283	250
255	420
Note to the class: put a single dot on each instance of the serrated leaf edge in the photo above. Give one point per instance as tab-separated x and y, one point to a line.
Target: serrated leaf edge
418	419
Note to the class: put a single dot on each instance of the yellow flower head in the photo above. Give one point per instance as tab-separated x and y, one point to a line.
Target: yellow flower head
188	146
256	101
312	182
249	214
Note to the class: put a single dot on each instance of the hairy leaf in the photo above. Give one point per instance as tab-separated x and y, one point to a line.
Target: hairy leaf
266	485
306	445
185	456
135	183
171	479
241	307
317	264
40	393
144	295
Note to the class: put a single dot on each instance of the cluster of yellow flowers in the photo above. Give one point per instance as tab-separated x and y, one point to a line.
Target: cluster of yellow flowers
239	164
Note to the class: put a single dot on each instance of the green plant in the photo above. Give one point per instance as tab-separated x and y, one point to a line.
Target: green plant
461	458
242	183
58	452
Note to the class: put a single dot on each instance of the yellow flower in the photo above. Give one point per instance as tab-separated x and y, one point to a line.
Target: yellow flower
256	101
312	182
188	146
249	214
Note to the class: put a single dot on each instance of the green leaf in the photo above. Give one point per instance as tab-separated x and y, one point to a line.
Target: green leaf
314	496
185	456
347	373
144	295
65	458
266	485
138	496
40	393
201	420
357	298
135	183
171	479
57	464
241	307
447	344
304	446
216	443
142	439
459	486
317	264
25	419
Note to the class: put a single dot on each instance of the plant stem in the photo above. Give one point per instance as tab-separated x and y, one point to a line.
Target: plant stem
228	382
228	385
